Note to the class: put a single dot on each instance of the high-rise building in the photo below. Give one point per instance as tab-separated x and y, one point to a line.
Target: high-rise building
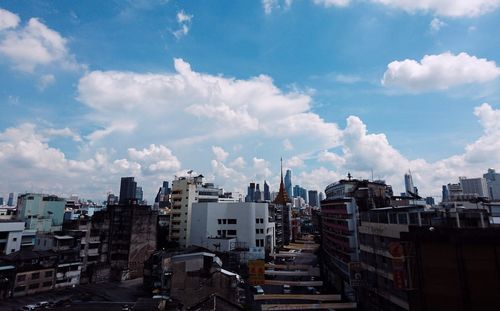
1	200
128	189
288	183
409	187
259	196
321	196
313	198
10	202
185	192
298	191
282	212
139	194
475	186
493	181
267	194
250	197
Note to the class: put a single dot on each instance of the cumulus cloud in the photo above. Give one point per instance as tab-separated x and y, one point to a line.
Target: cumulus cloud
452	8
214	104
33	45
220	154
8	19
45	81
294	161
439	72
64	132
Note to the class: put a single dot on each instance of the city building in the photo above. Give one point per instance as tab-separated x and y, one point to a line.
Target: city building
226	227
298	191
267	193
493	181
339	221
313	198
475	186
191	277
410	189
132	238
404	268
185	192
250	197
31	271
288	183
10	201
40	212
11	234
128	188
139	195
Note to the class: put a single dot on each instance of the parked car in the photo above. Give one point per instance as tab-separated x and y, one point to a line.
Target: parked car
287	289
312	290
28	308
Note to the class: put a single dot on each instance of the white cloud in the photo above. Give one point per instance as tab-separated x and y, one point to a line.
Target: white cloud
287	145
33	45
348	79
45	81
239	162
331	157
220	154
8	20
64	132
294	161
269	5
330	3
439	72
436	24
184	21
452	8
261	169
156	158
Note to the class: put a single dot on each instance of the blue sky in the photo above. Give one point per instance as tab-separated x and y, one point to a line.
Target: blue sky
91	91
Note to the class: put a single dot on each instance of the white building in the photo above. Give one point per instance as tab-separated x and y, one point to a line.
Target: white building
475	186
11	235
228	226
185	192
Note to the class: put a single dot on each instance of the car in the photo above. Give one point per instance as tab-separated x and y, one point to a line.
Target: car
312	290
125	308
42	304
258	290
287	289
28	307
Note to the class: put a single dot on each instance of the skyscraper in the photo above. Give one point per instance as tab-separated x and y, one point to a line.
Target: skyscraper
127	189
250	193
267	193
10	202
493	181
288	183
1	200
139	195
313	198
409	187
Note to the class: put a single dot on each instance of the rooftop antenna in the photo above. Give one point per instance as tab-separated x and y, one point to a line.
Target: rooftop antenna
372	174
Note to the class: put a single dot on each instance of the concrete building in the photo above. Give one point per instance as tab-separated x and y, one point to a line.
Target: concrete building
288	183
226	226
475	186
493	181
11	234
185	192
33	271
7	212
281	212
389	263
128	188
313	198
132	238
40	212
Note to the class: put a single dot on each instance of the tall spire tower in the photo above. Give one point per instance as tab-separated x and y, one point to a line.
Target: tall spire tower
282	197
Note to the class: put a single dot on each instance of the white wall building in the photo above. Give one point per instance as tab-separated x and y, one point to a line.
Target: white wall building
185	192
245	223
11	233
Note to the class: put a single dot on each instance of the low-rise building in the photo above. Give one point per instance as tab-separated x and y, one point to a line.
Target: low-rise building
11	233
226	226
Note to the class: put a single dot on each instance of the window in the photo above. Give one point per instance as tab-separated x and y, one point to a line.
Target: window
33	286
14	239
232	221
20	289
231	232
256	231
219	221
21	277
219	232
48	274
35	276
47	284
224	221
256	220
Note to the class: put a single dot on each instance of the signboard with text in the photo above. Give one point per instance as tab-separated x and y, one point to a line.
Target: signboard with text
256	272
355	274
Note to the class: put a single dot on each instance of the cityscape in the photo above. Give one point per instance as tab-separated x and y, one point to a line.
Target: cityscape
162	155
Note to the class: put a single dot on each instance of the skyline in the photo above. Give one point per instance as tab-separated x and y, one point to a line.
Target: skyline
96	91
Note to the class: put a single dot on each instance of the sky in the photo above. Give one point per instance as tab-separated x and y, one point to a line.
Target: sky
92	91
